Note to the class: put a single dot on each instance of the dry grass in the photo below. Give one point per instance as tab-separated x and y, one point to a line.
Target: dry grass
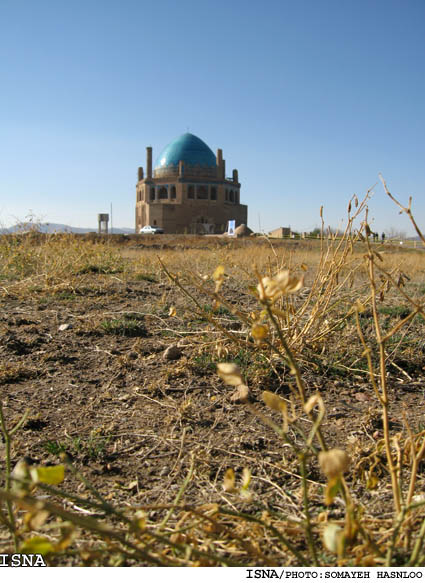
286	314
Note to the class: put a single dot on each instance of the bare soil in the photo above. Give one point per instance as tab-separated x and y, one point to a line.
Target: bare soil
89	365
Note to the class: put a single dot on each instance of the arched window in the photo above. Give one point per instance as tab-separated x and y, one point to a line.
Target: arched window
152	194
213	193
231	196
202	192
163	192
236	197
173	192
191	191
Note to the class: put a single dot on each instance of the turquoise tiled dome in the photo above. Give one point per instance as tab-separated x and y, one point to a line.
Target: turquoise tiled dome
192	150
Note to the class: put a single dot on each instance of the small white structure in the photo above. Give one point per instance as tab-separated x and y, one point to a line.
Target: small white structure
231	225
103	220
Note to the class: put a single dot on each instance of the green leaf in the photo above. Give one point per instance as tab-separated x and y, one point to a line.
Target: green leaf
37	545
48	475
332	488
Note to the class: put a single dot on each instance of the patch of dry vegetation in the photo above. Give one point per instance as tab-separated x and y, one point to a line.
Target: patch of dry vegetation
315	455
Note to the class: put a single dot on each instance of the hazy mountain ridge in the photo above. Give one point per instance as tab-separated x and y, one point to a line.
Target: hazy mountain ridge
58	228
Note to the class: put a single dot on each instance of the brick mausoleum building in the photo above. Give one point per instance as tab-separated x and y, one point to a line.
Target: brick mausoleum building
188	191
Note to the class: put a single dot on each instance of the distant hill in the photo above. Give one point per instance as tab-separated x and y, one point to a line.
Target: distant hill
58	228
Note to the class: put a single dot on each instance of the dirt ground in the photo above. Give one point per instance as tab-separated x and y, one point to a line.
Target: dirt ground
90	366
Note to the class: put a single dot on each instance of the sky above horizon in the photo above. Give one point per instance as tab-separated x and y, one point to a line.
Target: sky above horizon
309	100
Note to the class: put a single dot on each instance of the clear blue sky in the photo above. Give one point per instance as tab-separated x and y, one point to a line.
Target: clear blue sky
309	99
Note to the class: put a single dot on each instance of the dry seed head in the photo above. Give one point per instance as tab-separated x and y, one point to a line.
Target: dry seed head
230	373
277	404
333	462
271	288
218	277
332	534
312	402
241	395
278	312
246	495
359	307
220	349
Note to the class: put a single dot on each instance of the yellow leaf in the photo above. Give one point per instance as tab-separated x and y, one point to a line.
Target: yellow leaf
372	482
259	331
48	474
172	311
36	520
218	273
273	401
246	478
68	535
140	521
229	481
37	545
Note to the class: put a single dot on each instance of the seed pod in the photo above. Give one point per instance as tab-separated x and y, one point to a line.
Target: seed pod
333	462
230	373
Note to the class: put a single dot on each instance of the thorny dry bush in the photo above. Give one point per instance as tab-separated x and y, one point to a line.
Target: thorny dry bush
329	310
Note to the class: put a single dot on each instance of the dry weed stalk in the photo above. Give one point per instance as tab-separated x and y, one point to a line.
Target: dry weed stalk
52	262
404	209
285	328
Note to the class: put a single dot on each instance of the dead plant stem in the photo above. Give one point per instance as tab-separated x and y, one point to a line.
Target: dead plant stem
383	382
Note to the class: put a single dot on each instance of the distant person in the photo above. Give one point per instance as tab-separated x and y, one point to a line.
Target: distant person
383	237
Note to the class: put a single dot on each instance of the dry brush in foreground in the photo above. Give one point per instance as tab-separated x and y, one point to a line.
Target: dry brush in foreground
347	309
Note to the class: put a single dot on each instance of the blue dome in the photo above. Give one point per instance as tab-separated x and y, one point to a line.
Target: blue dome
190	149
